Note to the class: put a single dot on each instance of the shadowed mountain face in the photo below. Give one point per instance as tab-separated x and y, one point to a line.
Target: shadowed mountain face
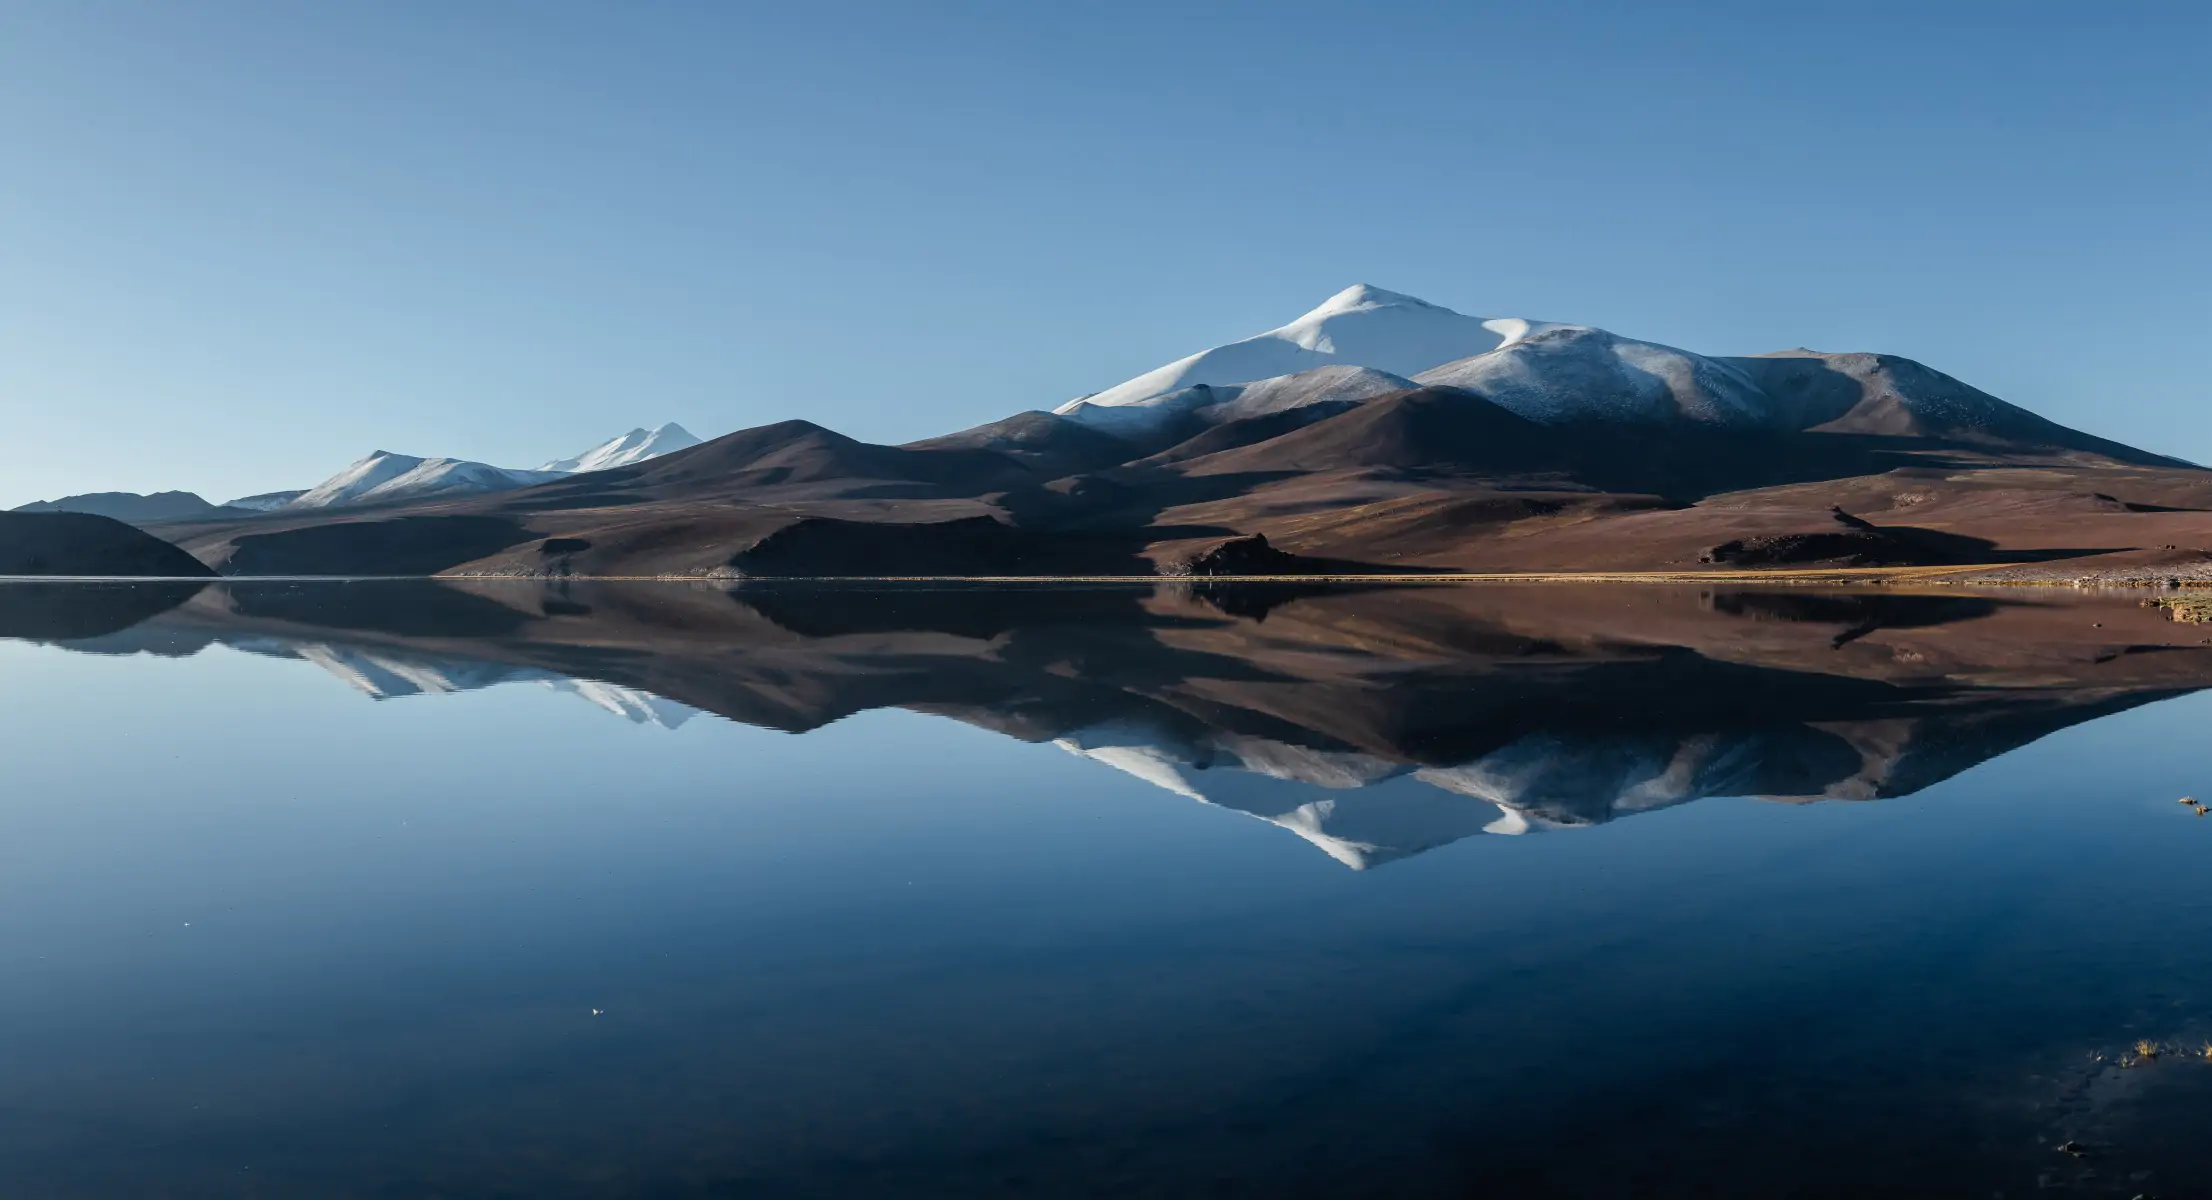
1373	722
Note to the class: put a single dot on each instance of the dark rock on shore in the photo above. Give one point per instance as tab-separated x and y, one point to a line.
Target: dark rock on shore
1253	554
1250	555
1854	542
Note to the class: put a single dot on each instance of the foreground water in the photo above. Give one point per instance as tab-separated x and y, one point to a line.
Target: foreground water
410	891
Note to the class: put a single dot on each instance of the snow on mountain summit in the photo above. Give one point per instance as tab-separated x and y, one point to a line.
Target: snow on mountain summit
633	447
386	476
358	479
1548	372
1361	326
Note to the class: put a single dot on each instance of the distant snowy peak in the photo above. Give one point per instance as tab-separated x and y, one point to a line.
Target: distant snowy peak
384	476
1361	326
633	447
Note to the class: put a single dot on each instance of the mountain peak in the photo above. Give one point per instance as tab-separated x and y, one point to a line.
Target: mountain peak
1361	296
384	476
1361	326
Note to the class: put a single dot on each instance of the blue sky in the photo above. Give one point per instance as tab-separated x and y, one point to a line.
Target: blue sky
242	244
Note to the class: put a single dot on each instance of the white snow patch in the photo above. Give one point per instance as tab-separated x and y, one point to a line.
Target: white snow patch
633	447
387	476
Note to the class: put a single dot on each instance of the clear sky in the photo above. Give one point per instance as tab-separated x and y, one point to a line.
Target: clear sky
242	244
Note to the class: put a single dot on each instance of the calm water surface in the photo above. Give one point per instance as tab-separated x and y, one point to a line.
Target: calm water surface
353	890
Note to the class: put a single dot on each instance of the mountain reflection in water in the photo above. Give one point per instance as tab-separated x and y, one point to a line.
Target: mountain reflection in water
1374	722
969	936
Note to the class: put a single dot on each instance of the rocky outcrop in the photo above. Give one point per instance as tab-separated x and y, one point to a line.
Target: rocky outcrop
1852	542
1248	555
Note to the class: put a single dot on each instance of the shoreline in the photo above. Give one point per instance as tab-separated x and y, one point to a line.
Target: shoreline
1805	576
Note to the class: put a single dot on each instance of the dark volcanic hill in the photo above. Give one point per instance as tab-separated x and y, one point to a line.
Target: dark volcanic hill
1392	436
82	544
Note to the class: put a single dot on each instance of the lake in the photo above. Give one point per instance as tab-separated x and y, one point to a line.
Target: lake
531	889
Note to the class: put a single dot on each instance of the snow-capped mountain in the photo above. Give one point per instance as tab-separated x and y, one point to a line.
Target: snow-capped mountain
384	476
633	447
1361	326
1366	342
